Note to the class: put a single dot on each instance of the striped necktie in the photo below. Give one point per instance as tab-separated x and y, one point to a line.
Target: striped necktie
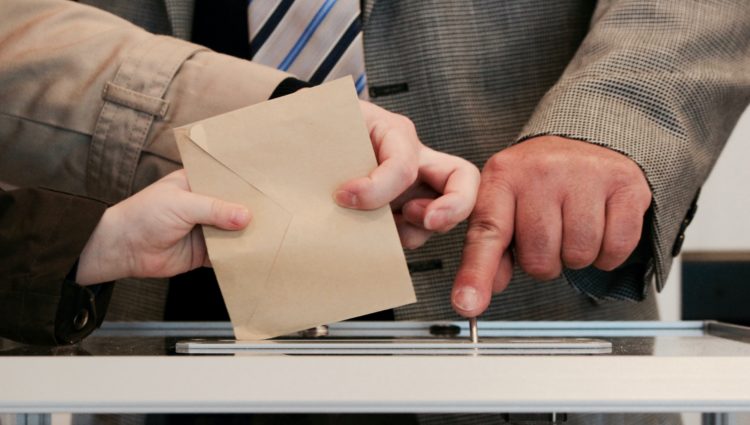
315	40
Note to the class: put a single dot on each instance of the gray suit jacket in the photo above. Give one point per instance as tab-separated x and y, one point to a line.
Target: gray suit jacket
662	82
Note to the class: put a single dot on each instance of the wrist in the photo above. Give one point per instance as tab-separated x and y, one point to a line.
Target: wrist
102	258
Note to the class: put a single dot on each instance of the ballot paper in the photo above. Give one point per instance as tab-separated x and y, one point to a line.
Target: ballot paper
303	261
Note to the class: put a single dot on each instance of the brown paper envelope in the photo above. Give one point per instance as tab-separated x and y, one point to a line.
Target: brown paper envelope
303	261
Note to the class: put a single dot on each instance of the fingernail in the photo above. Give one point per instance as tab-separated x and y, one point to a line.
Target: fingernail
239	217
346	199
435	219
466	298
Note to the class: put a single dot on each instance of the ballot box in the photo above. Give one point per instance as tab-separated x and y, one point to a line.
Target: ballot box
516	368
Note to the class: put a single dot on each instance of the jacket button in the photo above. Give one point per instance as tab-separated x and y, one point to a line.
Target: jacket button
81	319
678	245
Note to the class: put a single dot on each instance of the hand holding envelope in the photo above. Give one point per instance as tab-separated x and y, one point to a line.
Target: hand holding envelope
305	261
429	191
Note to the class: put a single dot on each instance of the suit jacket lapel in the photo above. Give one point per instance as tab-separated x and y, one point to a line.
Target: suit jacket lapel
367	6
180	14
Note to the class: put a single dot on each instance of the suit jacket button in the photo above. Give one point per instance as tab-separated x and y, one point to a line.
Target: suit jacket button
81	319
678	245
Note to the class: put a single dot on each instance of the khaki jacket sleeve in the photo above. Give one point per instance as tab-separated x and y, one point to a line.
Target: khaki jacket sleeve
88	100
664	83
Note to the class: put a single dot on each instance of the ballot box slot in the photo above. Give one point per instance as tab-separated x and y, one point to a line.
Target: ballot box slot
416	329
401	346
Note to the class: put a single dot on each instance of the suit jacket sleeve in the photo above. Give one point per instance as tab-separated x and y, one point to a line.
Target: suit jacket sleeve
89	100
663	83
42	233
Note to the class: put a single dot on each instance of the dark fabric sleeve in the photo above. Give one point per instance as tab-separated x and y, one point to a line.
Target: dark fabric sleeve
42	233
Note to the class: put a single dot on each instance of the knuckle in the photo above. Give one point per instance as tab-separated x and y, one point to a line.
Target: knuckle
496	164
405	172
407	123
496	178
539	267
630	201
581	242
538	241
643	198
543	165
483	229
619	248
631	190
578	257
538	256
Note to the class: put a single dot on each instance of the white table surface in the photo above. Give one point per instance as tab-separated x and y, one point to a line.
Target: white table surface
708	374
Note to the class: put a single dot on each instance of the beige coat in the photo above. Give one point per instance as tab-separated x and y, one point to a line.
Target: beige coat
89	100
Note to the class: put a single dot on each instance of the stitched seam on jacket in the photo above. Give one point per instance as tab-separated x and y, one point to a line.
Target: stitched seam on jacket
135	100
177	57
134	125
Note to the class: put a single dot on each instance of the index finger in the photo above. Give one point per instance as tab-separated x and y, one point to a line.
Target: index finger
399	162
488	237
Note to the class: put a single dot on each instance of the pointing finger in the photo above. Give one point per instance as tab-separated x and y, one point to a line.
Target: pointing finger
489	235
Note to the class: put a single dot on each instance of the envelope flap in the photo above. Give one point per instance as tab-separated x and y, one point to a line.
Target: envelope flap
255	248
197	133
306	140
